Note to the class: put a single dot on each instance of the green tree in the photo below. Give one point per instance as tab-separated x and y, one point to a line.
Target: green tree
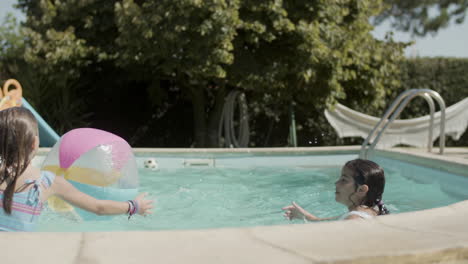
280	53
11	47
187	42
306	53
51	93
310	54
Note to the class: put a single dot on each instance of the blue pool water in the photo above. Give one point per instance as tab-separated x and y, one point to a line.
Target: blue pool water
250	191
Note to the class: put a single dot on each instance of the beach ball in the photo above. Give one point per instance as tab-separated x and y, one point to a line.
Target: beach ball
97	163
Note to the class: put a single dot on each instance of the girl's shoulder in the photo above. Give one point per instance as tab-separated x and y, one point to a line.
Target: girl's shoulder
368	210
23	182
40	177
360	212
372	211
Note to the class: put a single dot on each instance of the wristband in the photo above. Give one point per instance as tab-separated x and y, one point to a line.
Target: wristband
132	208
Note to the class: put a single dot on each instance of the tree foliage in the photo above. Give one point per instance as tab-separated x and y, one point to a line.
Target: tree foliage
54	95
166	52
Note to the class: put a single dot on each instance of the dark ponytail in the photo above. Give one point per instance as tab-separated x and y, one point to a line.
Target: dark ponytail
382	208
18	129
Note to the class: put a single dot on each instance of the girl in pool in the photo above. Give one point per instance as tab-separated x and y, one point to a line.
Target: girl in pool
24	189
359	188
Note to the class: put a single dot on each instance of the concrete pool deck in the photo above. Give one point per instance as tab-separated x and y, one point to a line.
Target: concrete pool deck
437	235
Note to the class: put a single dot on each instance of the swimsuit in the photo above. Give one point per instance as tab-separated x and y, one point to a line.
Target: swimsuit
26	206
361	214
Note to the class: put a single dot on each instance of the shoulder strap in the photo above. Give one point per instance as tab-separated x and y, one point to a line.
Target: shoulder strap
360	214
47	178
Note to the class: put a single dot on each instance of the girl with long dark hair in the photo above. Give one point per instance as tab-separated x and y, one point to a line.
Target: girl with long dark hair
360	188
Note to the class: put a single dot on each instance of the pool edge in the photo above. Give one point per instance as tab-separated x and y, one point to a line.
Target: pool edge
416	237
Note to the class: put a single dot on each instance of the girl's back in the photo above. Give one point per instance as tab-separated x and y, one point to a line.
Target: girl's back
27	201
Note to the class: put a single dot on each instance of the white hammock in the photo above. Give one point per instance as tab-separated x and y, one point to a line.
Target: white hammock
413	132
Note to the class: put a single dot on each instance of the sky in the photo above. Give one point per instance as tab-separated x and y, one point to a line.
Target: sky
448	42
451	41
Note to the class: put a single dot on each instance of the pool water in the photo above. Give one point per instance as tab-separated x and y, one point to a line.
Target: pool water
253	194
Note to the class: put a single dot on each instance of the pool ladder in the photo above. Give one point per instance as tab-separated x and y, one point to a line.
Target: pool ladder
394	111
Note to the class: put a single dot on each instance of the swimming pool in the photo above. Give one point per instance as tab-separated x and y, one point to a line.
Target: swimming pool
213	190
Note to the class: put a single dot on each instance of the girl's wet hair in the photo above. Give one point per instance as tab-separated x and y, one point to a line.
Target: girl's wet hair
371	174
18	129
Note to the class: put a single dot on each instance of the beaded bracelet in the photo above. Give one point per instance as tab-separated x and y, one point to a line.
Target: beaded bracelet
132	208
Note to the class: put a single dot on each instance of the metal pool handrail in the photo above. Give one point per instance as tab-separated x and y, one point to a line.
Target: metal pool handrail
429	95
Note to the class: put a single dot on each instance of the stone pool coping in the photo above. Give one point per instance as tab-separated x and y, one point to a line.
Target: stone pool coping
437	235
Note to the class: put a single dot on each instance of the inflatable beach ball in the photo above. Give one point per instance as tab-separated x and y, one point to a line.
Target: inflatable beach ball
97	163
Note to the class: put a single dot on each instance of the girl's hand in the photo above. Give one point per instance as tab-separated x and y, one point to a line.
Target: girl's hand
294	211
144	205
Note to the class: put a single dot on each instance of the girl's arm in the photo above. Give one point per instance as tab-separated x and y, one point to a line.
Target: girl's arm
294	211
65	190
